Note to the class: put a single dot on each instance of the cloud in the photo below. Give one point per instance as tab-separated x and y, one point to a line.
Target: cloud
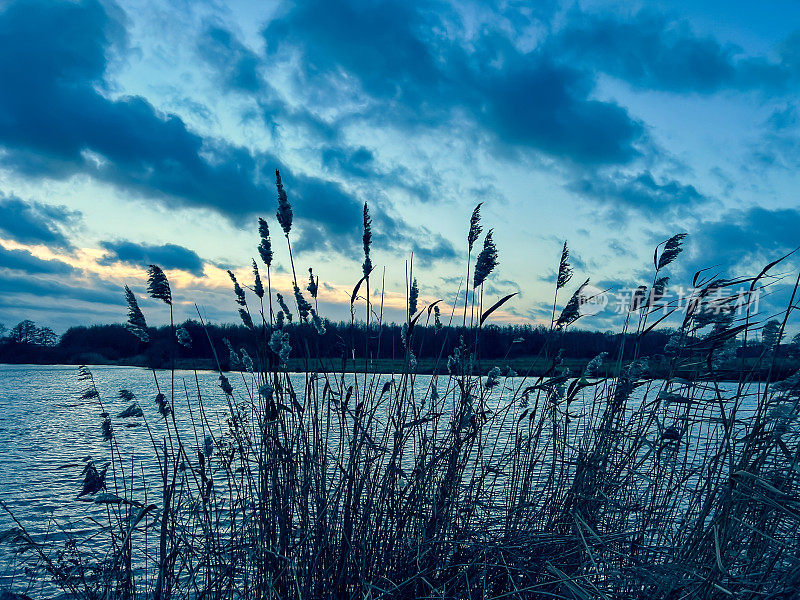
67	288
434	249
22	260
56	122
236	66
642	192
779	142
166	256
745	238
390	234
652	52
358	162
32	222
400	58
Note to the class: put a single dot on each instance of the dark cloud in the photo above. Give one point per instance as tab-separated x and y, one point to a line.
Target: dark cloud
398	55
237	66
643	193
360	166
54	122
546	106
67	288
433	250
653	52
22	260
358	162
779	143
166	256
742	237
380	43
32	222
389	234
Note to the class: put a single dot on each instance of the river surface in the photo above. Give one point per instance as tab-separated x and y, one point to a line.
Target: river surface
48	433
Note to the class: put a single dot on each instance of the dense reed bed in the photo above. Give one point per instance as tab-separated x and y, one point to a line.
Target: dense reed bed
333	484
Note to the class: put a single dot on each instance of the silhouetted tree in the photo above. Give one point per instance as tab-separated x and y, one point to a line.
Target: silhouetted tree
24	332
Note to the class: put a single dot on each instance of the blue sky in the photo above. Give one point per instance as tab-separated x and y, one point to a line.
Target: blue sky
140	131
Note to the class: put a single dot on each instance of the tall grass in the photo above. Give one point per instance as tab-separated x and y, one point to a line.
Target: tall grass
331	484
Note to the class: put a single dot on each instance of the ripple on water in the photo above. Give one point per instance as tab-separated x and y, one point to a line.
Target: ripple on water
47	434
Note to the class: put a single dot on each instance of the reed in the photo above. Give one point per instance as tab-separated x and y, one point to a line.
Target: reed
334	484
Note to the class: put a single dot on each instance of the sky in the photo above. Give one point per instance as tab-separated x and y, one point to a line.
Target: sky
142	131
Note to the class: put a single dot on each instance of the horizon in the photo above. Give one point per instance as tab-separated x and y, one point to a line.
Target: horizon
136	132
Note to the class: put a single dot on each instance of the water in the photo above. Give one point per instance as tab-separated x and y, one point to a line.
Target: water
47	434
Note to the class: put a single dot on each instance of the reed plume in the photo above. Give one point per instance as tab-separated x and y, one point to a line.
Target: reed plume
225	385
564	269
638	298
258	286
106	429
572	310
246	318
303	306
486	262
95	480
247	362
313	284
473	233
366	238
672	248
316	320
413	297
282	303
233	357
265	245
163	405
279	344
136	323
475	227
658	290
184	337
284	213
158	285
563	276
237	289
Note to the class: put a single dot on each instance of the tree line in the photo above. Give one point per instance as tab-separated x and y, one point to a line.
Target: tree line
97	344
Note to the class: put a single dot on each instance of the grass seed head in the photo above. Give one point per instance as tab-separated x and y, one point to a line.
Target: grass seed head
258	286
487	261
265	246
474	226
564	268
672	248
158	285
237	289
413	297
136	323
284	213
313	283
367	241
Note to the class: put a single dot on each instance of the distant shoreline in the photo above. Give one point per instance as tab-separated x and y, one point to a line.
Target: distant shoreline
520	366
